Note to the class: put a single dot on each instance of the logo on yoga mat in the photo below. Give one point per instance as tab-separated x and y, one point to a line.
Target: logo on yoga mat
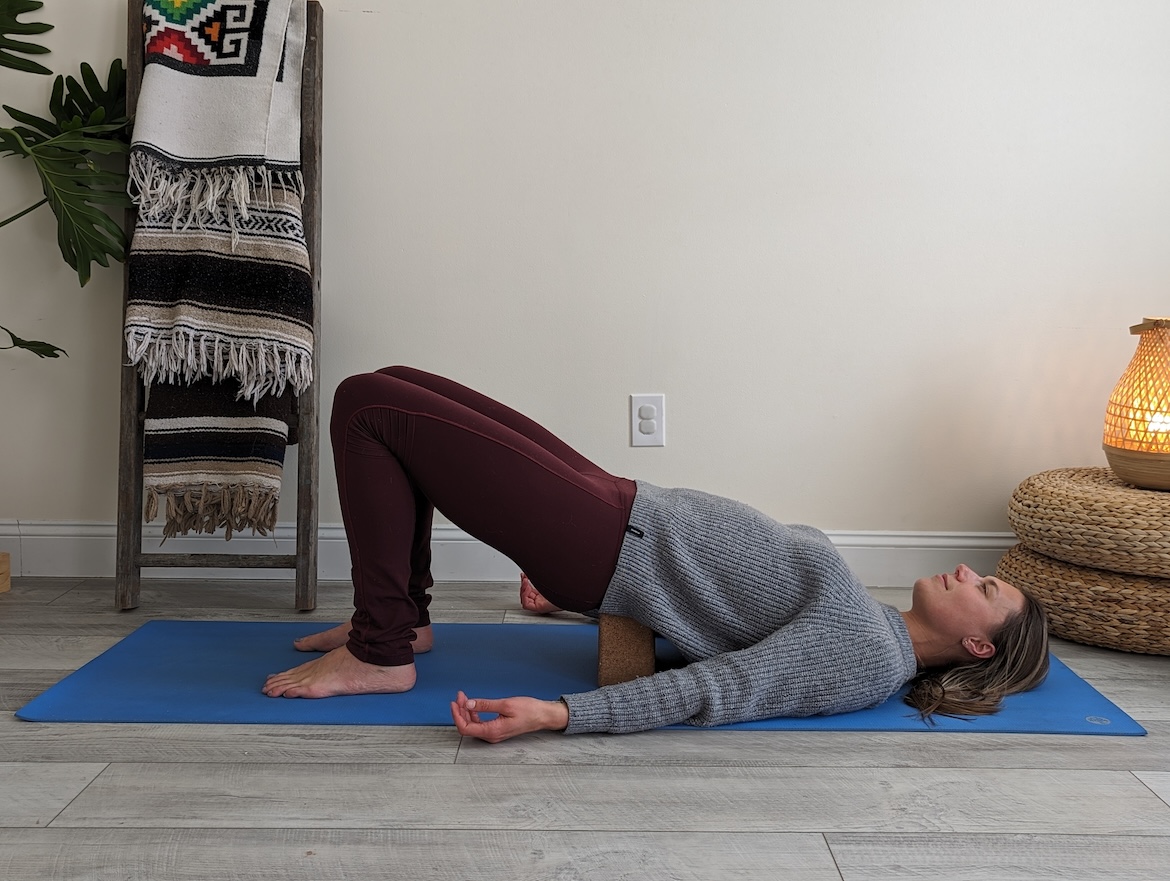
205	37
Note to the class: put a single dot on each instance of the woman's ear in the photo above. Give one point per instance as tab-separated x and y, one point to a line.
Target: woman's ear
978	647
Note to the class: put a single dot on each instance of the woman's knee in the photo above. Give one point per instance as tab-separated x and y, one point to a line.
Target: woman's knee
354	393
400	371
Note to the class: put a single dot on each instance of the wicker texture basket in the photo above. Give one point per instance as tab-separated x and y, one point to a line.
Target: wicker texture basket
1089	517
1094	606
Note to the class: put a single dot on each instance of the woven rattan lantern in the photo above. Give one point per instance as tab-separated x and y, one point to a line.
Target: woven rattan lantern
1137	420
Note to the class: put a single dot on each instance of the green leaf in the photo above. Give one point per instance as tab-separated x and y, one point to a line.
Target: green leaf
12	140
37	347
76	187
82	100
85	233
89	122
10	10
87	140
97	110
45	126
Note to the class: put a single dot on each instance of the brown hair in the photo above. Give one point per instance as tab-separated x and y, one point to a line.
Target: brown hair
1020	663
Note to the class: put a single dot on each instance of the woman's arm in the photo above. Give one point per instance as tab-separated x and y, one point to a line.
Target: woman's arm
803	669
729	687
517	715
800	670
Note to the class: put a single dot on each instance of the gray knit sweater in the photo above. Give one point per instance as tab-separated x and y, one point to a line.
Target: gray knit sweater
768	616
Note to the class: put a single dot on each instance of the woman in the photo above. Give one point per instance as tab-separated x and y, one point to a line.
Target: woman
768	616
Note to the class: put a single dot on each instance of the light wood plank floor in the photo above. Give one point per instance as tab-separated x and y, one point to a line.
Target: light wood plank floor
161	802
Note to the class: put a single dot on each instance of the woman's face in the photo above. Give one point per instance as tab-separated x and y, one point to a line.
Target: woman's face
966	607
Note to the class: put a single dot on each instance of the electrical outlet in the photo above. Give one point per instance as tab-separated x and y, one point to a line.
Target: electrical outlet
647	420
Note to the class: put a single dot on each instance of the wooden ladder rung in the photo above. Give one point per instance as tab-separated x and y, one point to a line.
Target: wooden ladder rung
213	561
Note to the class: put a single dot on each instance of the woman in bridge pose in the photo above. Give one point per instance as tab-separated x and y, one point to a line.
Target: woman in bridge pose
768	617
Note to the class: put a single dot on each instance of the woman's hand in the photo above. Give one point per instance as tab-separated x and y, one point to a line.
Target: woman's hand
517	715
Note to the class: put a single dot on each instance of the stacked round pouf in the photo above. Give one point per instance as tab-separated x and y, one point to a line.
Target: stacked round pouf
1096	552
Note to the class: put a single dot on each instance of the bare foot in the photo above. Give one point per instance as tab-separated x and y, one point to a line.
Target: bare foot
531	599
424	640
339	672
336	637
326	640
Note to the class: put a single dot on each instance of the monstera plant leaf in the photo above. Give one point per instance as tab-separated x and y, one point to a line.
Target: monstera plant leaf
76	104
89	101
10	10
38	348
89	121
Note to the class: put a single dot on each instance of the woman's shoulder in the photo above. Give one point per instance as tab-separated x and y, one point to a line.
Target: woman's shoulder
870	635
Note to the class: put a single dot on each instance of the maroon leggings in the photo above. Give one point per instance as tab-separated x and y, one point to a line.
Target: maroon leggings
407	442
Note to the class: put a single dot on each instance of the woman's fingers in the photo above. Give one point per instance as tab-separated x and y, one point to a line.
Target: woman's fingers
483	705
468	723
513	716
465	707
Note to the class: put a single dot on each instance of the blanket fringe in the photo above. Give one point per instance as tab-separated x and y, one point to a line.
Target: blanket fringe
175	355
208	507
196	197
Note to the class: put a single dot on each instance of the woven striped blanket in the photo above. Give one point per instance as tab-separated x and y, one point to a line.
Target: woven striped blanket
201	306
219	315
221	470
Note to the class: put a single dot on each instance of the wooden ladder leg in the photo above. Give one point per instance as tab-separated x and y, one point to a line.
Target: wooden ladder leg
131	433
128	570
306	588
309	440
625	650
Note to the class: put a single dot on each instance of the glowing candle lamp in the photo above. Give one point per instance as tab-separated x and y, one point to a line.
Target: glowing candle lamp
1137	418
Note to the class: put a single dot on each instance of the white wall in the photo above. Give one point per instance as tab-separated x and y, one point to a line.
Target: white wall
880	256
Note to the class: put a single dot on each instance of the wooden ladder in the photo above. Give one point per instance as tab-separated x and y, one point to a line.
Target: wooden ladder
130	557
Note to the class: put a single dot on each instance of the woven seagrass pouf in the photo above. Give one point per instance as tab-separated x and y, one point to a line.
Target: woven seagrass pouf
1089	517
1110	609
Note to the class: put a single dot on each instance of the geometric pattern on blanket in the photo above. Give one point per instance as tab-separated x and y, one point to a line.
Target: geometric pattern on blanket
223	37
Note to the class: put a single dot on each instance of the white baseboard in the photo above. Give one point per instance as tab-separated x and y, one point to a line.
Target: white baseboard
86	550
896	559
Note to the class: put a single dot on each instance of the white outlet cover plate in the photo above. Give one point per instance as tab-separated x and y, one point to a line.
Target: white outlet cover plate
648	420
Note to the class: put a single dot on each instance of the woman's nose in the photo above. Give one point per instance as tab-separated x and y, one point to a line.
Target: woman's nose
965	573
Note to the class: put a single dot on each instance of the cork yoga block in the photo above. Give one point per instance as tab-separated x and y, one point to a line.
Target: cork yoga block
625	650
5	571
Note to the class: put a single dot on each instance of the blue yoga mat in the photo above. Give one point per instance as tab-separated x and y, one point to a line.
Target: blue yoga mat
212	671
